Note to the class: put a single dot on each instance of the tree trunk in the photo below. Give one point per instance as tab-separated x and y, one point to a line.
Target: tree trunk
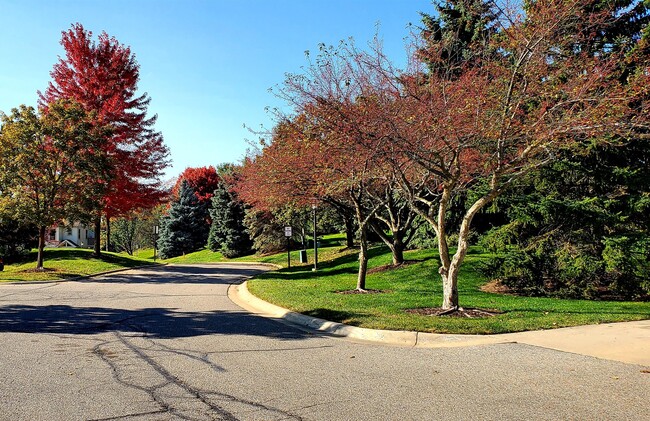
449	272
363	260
349	231
98	228
397	250
41	247
395	243
450	290
108	233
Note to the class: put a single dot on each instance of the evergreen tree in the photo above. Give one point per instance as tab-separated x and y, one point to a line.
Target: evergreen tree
457	36
183	228
227	232
580	227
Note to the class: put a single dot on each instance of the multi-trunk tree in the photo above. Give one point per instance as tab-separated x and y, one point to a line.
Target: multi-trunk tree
313	159
103	77
51	165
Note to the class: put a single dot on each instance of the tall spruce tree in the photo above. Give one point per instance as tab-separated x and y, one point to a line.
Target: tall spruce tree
228	233
457	37
183	229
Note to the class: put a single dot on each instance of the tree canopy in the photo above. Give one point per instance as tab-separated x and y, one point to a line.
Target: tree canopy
51	164
103	77
490	96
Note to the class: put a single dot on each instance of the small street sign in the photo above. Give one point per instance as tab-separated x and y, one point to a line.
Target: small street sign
287	232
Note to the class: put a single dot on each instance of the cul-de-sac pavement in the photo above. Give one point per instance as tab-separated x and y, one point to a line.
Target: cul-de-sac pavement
168	344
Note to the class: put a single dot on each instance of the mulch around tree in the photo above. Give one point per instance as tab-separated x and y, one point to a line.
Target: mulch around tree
363	291
470	313
385	268
497	287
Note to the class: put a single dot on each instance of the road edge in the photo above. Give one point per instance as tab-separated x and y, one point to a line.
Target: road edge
241	296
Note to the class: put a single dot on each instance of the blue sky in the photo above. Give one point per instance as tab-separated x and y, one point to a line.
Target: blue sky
207	65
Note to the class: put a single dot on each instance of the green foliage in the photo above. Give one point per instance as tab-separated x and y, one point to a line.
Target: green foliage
455	37
16	239
183	229
580	227
424	237
265	230
51	165
227	232
135	232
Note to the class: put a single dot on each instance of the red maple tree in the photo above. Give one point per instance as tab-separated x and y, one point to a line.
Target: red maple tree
103	77
203	180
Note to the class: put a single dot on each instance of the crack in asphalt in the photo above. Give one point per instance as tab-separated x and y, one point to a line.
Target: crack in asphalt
202	357
206	397
30	290
127	416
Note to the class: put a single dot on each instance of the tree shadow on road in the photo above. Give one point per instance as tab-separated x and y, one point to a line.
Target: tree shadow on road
182	275
157	323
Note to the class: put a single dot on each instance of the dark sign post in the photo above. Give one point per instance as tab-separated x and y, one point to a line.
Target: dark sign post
315	241
288	234
155	240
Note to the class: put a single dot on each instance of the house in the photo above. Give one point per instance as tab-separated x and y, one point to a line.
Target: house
75	235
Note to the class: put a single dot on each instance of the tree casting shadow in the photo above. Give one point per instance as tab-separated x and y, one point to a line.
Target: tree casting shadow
157	323
182	275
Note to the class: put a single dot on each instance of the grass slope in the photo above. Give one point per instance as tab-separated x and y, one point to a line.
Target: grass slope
330	249
418	286
65	263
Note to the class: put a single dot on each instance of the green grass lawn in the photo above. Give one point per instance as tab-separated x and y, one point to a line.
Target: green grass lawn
331	247
418	285
65	263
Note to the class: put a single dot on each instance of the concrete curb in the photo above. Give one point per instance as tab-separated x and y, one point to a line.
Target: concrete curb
626	342
240	295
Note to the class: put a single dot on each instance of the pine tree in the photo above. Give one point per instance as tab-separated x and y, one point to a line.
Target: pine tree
228	233
183	228
455	36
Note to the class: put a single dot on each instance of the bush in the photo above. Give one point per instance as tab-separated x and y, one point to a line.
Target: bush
16	240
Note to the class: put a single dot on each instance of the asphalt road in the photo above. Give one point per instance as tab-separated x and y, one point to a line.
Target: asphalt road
168	344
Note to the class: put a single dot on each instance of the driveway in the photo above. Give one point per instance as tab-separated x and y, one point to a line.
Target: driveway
167	344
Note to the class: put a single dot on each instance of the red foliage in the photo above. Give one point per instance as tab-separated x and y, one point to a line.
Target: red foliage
203	180
103	77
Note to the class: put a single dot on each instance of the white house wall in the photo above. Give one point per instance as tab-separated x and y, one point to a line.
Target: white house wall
76	234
